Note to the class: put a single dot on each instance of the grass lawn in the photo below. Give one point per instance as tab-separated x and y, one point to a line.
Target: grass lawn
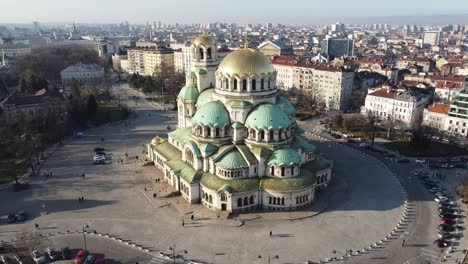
435	149
360	134
108	112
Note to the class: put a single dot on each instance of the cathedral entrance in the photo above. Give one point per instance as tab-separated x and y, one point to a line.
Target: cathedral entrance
223	207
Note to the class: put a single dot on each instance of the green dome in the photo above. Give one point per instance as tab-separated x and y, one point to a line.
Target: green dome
267	116
188	94
232	161
205	96
211	114
227	188
287	105
284	157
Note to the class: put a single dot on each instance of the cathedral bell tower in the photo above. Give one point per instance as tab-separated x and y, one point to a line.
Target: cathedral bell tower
204	61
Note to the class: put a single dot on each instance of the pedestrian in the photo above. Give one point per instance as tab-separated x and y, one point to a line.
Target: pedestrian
183	224
82	199
83	175
192	217
79	199
145	189
403	243
36	225
154	195
271	233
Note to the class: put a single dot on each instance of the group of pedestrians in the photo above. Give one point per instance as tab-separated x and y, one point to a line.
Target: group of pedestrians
81	199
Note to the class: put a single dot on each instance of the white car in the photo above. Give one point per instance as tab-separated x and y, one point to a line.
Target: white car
441	199
38	257
99	159
420	161
52	254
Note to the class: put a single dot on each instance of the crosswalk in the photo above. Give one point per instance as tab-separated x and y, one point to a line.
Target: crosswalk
427	256
157	259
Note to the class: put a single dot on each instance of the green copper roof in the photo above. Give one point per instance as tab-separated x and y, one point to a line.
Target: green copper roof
191	74
267	116
202	71
208	149
237	124
194	148
188	94
221	151
211	114
304	180
239	104
284	157
288	108
262	152
185	171
168	151
299	130
214	182
232	161
245	151
300	142
318	164
226	188
205	96
181	134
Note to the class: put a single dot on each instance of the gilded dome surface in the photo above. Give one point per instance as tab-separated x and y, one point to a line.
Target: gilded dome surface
204	40
245	62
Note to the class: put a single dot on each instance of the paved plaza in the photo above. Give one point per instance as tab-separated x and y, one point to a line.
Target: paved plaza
364	205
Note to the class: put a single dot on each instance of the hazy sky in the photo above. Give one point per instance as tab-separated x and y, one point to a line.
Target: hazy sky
203	11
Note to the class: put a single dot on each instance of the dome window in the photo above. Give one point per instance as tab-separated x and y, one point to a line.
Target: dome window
244	85
202	54
235	84
208	53
254	85
262	84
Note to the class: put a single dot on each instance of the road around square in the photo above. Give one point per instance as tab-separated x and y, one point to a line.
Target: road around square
365	208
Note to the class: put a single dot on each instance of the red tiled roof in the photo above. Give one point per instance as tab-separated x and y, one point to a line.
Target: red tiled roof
439	108
285	60
386	93
449	78
449	85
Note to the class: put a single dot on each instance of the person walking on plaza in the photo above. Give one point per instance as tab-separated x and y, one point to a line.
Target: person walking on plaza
271	233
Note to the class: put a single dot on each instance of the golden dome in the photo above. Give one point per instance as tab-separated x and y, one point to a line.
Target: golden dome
204	40
245	62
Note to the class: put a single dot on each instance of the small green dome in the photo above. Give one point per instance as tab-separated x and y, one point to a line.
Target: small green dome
267	116
284	157
188	94
227	188
211	114
232	161
287	105
205	96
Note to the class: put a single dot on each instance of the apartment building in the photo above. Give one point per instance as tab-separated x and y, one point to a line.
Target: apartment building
406	62
284	68
151	60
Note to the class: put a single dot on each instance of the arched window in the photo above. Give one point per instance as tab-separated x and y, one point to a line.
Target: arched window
246	201
274	200
262	84
208	53
244	85
208	131
282	171
280	133
199	130
262	134
269	199
223	197
217	132
271	135
239	202
202	54
297	199
206	197
269	81
282	201
272	170
226	83
210	199
235	84
189	156
226	131
292	170
251	200
253	133
254	85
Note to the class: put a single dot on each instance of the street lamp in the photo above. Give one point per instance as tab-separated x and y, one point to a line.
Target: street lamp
173	249
84	235
269	257
345	257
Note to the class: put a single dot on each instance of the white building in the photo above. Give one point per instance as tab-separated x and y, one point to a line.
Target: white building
456	123
446	91
404	106
436	115
284	67
83	73
432	38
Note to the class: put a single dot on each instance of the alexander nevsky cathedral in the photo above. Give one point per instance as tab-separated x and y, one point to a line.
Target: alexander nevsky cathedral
237	146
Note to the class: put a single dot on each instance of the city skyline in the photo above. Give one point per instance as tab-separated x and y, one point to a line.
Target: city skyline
302	12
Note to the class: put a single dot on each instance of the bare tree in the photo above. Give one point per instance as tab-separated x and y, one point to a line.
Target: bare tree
369	126
29	241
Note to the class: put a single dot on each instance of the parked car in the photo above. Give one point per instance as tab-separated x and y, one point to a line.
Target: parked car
99	261
52	254
441	199
445	235
447	222
420	161
89	259
5	259
441	243
20	185
403	161
81	256
364	145
11	218
38	257
21	216
20	259
101	153
447	228
98	159
66	253
448	216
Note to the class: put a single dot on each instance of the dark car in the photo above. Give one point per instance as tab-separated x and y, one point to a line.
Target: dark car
11	218
66	253
447	228
448	216
442	243
96	149
403	161
21	216
445	235
89	259
101	153
18	186
444	210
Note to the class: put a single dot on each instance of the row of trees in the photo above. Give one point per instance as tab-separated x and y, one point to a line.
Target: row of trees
170	82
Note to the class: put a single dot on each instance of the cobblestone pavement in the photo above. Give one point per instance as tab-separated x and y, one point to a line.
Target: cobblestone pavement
364	205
